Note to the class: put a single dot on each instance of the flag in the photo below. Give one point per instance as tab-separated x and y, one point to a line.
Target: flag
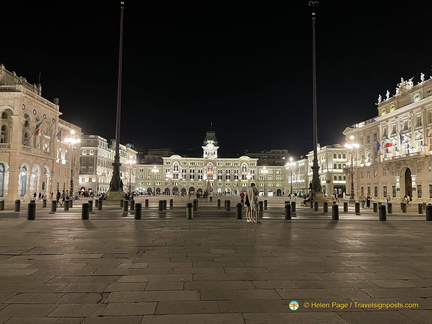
37	128
387	142
378	146
59	135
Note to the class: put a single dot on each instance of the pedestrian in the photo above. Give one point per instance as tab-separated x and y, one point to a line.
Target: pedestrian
253	200
58	197
248	210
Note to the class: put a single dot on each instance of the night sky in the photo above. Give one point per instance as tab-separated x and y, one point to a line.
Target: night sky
243	66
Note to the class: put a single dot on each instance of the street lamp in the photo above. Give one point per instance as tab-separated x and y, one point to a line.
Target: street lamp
291	164
130	162
154	171
265	172
72	139
351	145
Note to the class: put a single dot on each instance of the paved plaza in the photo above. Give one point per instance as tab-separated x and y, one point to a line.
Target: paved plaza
214	268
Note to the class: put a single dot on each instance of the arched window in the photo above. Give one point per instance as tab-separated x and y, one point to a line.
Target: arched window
2	178
176	167
25	138
3	134
23	181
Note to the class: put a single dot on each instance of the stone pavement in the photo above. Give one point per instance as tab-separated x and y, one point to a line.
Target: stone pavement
214	268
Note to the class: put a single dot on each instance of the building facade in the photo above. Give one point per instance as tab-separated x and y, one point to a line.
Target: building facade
394	155
96	159
33	158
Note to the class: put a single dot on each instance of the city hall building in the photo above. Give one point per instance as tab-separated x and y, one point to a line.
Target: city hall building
210	174
394	154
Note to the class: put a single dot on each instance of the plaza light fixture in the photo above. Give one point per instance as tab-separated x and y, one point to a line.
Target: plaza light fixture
290	165
72	139
265	172
131	161
352	145
154	171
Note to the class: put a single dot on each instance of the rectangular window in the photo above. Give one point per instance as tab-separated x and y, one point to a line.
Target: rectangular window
375	191
430	191
384	191
419	191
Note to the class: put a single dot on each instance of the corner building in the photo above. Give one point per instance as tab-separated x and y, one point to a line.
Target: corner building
33	156
394	155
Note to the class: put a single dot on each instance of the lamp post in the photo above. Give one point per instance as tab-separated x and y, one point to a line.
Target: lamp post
351	145
154	171
130	162
291	164
265	172
72	139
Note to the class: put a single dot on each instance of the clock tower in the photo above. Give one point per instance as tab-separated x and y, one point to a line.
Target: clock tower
210	145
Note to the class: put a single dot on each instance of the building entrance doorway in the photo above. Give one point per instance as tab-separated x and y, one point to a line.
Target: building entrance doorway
408	182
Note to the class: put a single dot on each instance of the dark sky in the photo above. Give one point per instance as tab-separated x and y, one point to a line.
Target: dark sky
243	65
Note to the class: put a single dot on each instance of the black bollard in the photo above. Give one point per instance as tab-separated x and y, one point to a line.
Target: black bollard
31	213
195	204
265	204
132	205
44	203
210	198
171	203
335	212
325	207
189	211
125	205
70	203
146	203
53	206
160	208
429	212
420	208
390	208
345	207
138	208
2	202
100	204
239	211
287	211
228	205
293	207
66	205
382	213
90	202
85	211
357	208
17	205
375	207
404	207
316	206
218	203
261	207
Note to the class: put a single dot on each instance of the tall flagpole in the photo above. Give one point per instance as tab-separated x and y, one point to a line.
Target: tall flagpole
116	184
316	184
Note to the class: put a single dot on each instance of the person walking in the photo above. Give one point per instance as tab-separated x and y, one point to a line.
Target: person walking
253	200
248	210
